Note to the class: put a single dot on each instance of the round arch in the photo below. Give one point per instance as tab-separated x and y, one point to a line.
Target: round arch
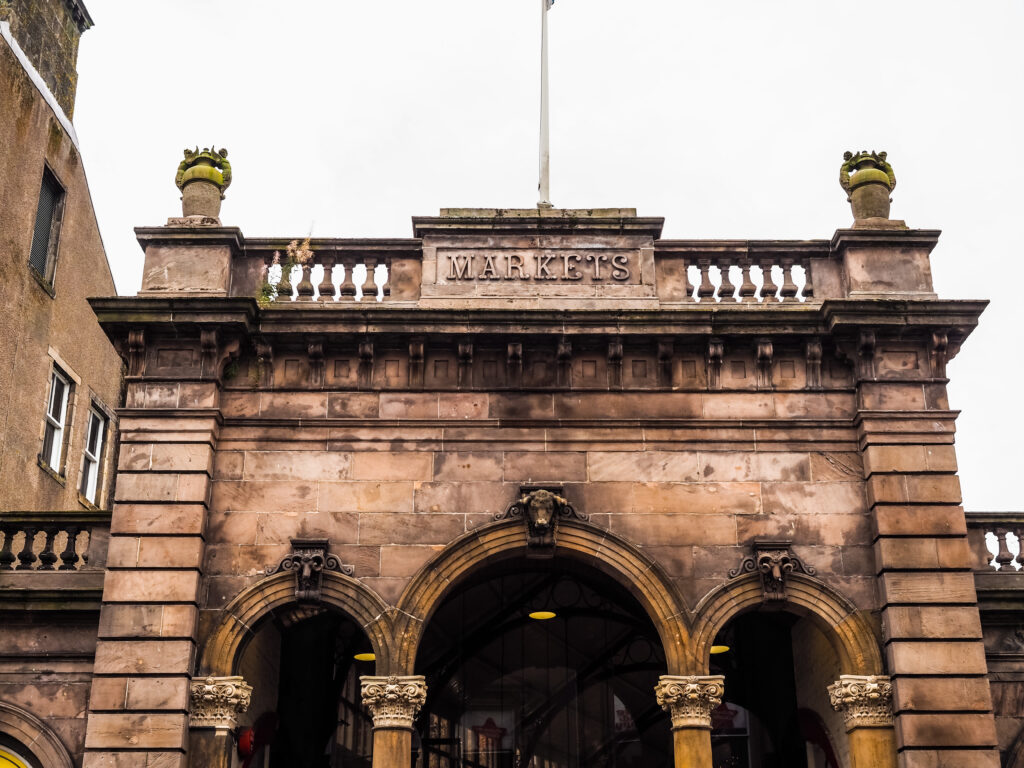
35	735
239	619
835	615
605	551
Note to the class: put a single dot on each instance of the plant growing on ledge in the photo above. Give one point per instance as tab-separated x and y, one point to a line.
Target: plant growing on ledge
296	254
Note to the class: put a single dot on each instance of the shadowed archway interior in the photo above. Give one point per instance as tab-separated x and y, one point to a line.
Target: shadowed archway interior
571	686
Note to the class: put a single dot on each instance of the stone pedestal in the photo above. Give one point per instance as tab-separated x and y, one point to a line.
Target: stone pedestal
689	700
393	703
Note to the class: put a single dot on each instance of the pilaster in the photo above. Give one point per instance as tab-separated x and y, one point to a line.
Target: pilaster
140	701
931	628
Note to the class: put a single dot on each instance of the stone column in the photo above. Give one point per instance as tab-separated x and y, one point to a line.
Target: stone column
690	699
394	703
215	703
866	704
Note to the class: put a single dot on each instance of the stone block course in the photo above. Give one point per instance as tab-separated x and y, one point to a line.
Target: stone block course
138	657
923	554
917	588
946	730
935	694
930	657
136	731
932	621
139	586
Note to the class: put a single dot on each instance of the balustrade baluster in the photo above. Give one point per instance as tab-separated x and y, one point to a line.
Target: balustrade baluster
348	285
706	289
789	288
727	289
769	289
26	557
326	287
69	556
305	289
808	291
1004	559
747	287
284	286
369	286
47	557
1019	533
385	288
6	556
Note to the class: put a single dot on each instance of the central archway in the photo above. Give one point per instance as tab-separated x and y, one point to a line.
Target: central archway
541	663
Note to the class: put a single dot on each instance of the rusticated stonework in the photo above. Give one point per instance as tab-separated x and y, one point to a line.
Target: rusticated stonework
216	702
864	700
394	701
689	700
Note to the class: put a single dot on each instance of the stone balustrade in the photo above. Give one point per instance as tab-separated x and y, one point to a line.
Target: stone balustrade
996	540
331	277
50	541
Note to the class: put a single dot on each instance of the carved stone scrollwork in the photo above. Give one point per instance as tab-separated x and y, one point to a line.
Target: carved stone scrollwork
541	508
136	352
865	701
690	700
394	701
216	702
765	355
308	560
774	561
714	360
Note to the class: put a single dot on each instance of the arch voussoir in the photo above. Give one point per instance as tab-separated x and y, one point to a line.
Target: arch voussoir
846	627
502	540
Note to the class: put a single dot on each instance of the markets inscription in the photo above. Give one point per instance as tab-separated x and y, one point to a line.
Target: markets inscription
606	266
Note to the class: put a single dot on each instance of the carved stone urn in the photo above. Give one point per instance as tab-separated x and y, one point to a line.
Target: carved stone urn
202	178
869	186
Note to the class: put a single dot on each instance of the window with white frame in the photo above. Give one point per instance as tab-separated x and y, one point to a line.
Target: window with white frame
95	436
56	420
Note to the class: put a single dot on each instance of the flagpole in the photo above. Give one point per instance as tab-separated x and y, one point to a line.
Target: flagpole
545	150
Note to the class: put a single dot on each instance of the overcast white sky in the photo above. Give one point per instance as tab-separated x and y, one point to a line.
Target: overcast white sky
728	118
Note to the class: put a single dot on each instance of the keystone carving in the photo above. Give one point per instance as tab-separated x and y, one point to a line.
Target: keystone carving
308	560
394	701
774	561
216	702
865	701
689	700
541	509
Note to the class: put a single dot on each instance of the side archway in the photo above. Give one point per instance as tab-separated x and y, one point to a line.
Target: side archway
35	735
836	616
584	543
239	620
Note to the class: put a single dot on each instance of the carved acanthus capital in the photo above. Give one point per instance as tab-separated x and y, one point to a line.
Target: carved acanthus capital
689	700
216	702
864	700
394	701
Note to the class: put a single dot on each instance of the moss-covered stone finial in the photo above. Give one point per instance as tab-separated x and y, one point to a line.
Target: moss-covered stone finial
202	178
869	188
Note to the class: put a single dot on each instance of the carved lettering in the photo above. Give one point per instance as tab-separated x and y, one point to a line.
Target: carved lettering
489	272
569	270
620	267
561	265
515	263
461	268
543	273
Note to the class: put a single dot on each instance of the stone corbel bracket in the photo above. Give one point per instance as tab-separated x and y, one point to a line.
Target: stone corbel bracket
308	560
864	700
541	509
690	699
394	701
216	702
774	560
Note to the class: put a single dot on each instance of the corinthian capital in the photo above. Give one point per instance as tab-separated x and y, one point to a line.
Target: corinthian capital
394	701
865	701
690	699
216	702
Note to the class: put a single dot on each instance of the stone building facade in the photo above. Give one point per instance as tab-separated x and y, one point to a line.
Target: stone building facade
530	488
60	387
543	488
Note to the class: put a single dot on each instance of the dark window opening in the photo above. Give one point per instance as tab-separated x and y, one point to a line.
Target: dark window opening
46	234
